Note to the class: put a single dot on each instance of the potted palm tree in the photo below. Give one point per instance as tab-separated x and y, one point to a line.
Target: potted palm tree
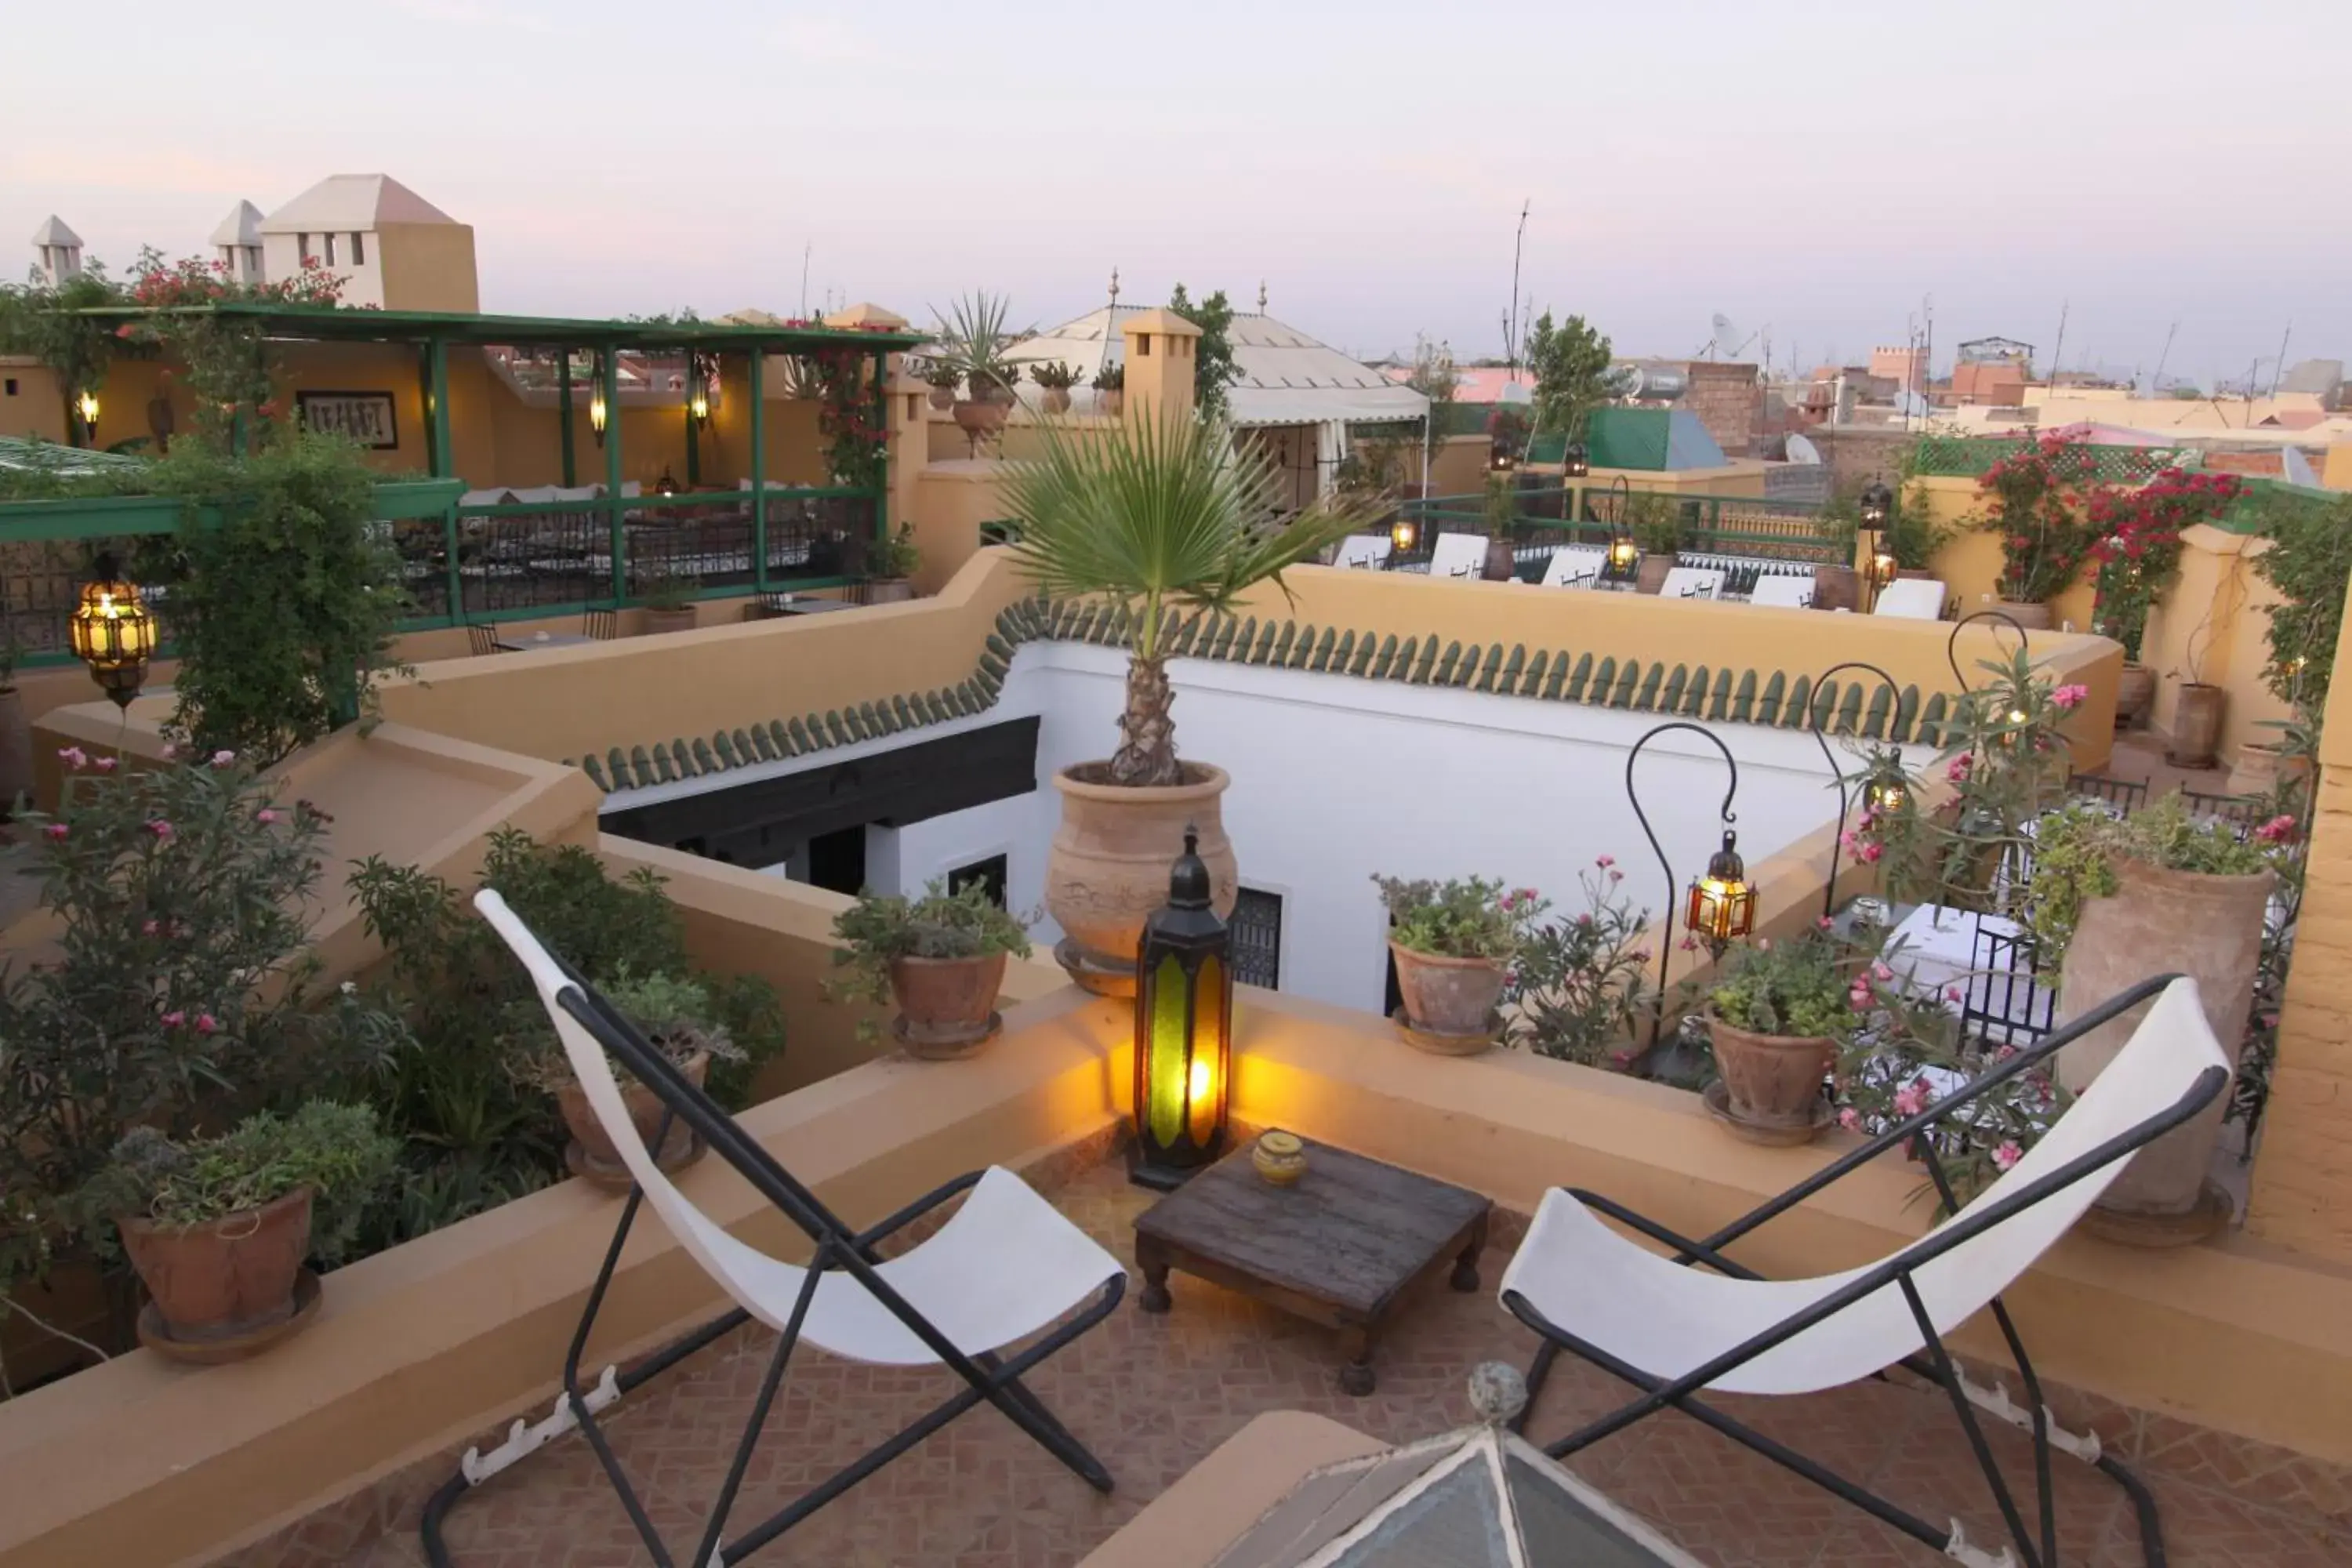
1159	517
972	341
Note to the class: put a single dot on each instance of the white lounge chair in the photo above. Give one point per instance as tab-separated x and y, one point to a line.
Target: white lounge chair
1676	1332
1783	592
1692	583
1005	1267
1575	566
1364	552
1911	599
1458	555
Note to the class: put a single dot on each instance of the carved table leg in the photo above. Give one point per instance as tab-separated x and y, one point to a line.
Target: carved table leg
1153	1261
1465	1267
1355	1377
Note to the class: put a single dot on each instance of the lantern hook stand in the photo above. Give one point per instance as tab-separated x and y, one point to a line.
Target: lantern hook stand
1952	643
1821	737
1666	945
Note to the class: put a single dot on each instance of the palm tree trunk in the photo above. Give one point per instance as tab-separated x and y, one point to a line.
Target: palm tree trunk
1147	750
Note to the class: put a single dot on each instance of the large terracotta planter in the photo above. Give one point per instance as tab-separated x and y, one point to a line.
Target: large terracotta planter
2196	726
2210	929
1501	563
1055	400
2263	765
15	749
889	590
595	1149
946	1007
1772	1081
1651	575
658	622
1837	588
2135	694
1109	866
1452	999
2031	616
1110	402
942	397
226	1278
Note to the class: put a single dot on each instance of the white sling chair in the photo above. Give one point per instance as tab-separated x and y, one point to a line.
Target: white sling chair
1575	566
1458	555
1911	599
1692	583
1365	551
1005	1266
1677	1330
1783	592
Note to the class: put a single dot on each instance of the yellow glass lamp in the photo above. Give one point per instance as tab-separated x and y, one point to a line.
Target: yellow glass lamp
1184	1030
112	633
1624	554
1403	535
1722	906
597	415
698	406
87	407
1886	789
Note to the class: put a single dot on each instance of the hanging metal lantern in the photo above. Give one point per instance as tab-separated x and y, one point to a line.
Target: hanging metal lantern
1576	461
597	415
1886	789
1183	1029
1404	534
1721	907
112	633
1878	505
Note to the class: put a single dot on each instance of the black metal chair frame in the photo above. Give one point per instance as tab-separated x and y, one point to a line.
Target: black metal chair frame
1935	1362
986	1375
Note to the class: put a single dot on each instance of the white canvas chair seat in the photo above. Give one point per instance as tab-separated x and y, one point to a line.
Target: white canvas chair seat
1692	583
1575	566
1911	599
1005	1267
1458	555
1782	593
1691	1320
1363	552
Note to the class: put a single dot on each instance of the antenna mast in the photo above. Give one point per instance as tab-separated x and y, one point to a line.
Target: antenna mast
1511	317
2060	348
2279	369
2155	385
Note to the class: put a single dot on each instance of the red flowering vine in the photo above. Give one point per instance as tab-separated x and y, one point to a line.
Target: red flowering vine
2138	544
2041	498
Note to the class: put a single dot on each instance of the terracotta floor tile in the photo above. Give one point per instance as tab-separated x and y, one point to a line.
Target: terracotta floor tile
2208	1529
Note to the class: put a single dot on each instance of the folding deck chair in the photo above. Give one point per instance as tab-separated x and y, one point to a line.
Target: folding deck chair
1675	1332
1006	1265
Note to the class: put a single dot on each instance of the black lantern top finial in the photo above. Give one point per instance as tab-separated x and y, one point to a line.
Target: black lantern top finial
1188	880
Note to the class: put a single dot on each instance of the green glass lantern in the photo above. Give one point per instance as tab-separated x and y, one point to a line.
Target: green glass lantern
1183	1029
1576	461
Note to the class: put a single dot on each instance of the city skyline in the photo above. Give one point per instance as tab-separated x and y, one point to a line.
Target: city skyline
1814	173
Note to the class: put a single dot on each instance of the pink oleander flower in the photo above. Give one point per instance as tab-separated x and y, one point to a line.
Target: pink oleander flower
171	749
207	1025
1956	769
1869	853
1850	1118
103	764
2277	830
1912	1098
55	830
1954	994
1605	861
265	816
1881	973
1641	955
2008	1154
1690	944
174	1018
73	757
1763	944
149	928
224	758
1615	876
1822	922
2066	698
162	829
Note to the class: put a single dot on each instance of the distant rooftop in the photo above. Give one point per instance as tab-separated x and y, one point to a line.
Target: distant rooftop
347	202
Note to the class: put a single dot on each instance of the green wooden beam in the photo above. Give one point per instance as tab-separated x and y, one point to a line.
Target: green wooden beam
437	407
757	381
608	378
563	386
693	430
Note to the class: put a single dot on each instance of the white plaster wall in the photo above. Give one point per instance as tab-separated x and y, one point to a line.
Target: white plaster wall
1335	778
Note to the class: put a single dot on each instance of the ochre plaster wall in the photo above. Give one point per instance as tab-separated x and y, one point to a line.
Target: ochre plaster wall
1969	563
36	408
2214	626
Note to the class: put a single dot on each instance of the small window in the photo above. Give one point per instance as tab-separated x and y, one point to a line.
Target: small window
1143	345
359	251
12	386
989	874
331	250
303	246
1256	928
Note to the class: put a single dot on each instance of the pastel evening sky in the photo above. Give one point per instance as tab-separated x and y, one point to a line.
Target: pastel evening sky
1815	166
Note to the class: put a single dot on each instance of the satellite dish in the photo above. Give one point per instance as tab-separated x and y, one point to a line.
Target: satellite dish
1803	451
1725	334
2297	468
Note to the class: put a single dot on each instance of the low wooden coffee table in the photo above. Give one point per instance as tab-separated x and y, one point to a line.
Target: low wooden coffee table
1342	1247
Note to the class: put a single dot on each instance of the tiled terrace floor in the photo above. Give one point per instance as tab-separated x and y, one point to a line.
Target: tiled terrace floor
1153	1395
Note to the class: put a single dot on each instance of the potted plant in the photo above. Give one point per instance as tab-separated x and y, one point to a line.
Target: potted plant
972	343
1454	944
218	1227
2138	550
1655	522
2281	767
2040	499
2112	900
939	959
1159	517
1110	390
680	1020
942	379
1501	561
669	600
892	565
1056	378
1778	1016
1578	986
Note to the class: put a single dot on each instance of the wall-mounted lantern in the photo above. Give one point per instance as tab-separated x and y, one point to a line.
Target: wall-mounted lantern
597	416
1404	534
86	406
1576	461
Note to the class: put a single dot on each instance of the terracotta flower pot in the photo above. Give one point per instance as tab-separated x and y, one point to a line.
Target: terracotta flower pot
678	620
2196	726
2135	694
1453	998
1109	866
2031	616
980	418
1110	403
1501	563
645	1115
1837	588
1056	400
2262	766
1772	1081
946	1007
1651	575
889	590
943	397
2211	929
227	1278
